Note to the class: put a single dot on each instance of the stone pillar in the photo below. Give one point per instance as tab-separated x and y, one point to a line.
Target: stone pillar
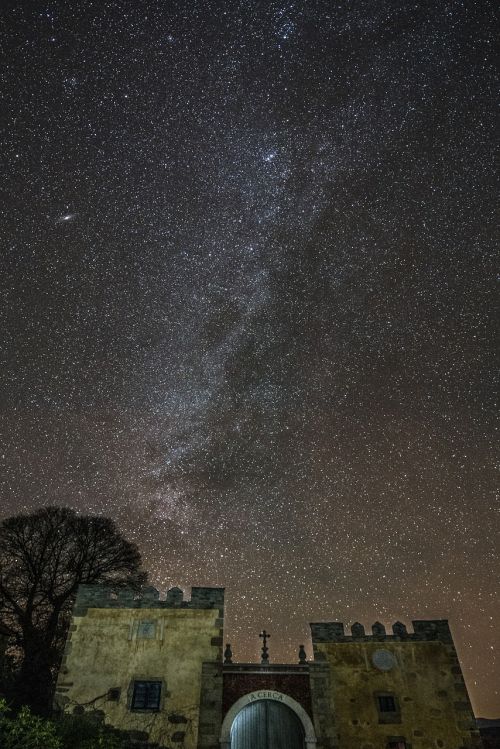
322	706
210	706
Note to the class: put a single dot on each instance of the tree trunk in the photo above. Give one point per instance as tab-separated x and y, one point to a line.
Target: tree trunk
34	684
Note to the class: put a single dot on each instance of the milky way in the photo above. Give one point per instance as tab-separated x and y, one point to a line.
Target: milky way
248	281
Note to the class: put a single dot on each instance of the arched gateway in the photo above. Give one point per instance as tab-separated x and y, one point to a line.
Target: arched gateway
267	720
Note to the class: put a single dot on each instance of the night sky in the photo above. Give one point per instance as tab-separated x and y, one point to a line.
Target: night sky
248	281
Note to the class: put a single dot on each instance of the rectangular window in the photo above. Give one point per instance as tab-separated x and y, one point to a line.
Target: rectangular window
388	709
397	744
386	704
146	695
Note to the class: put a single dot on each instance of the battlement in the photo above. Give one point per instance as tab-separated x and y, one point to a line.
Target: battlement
106	597
423	629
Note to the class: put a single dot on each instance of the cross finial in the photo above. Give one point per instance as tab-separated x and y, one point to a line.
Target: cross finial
265	650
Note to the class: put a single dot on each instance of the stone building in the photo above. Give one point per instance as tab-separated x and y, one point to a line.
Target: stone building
158	670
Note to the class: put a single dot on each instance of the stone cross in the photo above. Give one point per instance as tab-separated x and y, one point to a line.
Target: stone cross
265	650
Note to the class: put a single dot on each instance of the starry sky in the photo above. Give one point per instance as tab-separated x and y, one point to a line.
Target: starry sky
248	280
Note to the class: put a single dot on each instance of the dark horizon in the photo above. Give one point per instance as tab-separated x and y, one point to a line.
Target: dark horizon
248	274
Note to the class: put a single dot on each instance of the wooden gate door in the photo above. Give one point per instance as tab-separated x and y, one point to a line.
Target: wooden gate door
267	724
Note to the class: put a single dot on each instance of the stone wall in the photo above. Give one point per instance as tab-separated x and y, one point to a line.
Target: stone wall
117	638
210	706
325	721
419	670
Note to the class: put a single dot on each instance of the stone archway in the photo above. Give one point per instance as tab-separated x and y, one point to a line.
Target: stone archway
267	694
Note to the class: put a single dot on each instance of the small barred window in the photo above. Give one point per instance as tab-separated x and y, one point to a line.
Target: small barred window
386	704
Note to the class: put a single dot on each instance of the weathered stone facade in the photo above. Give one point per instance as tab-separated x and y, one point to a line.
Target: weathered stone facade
119	640
419	672
154	668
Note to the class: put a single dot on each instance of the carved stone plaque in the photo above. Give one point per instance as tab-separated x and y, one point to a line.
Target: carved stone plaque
146	630
383	660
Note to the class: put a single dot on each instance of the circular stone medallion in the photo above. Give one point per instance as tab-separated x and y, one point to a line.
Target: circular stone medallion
383	660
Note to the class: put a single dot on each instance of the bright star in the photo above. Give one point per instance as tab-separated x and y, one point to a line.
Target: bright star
270	156
66	218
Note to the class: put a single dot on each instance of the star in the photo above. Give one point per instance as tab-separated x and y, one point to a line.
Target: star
270	156
66	218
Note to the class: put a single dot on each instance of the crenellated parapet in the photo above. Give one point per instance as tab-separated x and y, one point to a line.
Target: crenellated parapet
106	597
423	630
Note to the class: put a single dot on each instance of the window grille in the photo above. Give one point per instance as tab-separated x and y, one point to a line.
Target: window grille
146	695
